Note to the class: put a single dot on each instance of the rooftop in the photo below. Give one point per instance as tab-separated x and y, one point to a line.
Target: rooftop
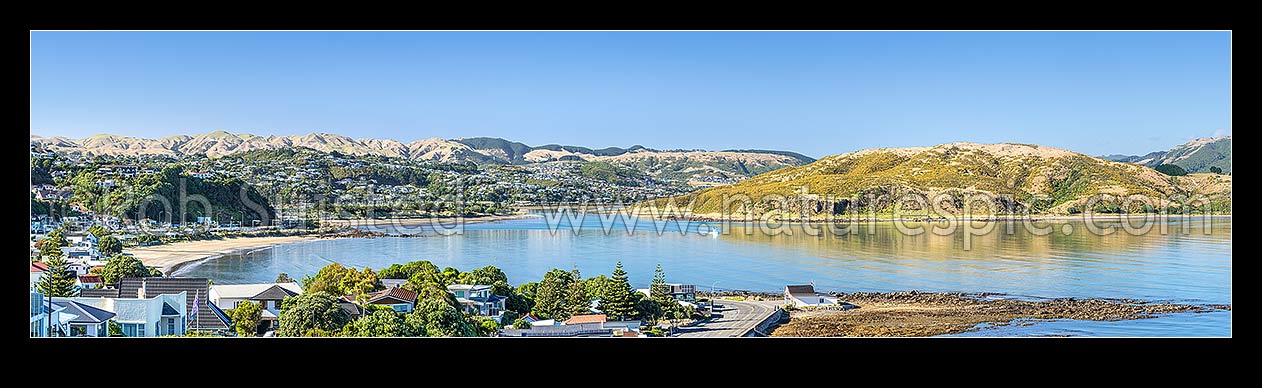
587	318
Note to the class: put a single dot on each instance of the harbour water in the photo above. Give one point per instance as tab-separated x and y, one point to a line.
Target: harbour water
1189	263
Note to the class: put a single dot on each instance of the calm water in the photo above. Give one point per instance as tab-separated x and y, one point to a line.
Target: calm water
1192	267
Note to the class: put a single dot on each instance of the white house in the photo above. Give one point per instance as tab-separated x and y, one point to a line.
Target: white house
163	314
805	296
268	295
83	320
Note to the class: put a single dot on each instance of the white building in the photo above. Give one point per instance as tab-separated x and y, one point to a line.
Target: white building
163	314
805	296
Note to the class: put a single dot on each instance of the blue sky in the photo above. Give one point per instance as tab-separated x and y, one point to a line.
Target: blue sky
818	93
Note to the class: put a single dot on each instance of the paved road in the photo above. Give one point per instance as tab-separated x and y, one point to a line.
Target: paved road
731	319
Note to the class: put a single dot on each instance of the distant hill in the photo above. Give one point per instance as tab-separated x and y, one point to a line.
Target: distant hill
1194	156
697	167
1042	179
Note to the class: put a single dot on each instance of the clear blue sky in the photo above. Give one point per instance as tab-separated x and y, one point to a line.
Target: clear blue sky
818	93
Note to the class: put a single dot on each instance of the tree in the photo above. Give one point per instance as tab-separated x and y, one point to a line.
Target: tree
617	301
521	324
338	280
1215	169
123	266
381	323
312	310
246	318
109	246
595	287
99	231
1170	169
660	292
441	320
649	310
51	246
551	294
577	301
284	278
58	280
406	271
115	329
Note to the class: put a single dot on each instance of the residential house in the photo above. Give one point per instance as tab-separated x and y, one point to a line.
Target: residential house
204	315
585	325
268	295
399	299
586	318
37	270
805	296
85	320
153	316
477	299
89	281
42	314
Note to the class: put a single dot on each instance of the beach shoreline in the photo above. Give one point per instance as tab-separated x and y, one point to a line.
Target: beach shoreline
173	257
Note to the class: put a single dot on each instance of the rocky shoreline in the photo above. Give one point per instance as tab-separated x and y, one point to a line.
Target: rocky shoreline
922	314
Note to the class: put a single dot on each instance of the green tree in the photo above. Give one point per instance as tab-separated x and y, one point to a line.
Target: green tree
649	310
338	280
99	231
381	323
596	286
123	266
51	245
1170	169
576	300
109	246
246	317
660	292
617	301
551	295
406	271
58	281
115	329
284	278
441	320
1215	169
312	310
521	324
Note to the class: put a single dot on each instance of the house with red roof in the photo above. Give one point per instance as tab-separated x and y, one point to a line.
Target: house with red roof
37	270
399	299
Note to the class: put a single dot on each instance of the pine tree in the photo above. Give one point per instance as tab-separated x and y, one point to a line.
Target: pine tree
58	281
576	298
660	292
617	302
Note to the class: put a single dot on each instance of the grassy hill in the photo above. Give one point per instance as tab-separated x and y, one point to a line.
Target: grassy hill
1018	177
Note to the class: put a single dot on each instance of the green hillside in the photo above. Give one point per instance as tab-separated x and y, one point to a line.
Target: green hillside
1019	177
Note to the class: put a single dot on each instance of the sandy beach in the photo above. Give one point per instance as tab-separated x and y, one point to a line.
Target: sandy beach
169	257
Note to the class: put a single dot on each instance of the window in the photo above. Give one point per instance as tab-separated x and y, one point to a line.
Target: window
459	294
170	326
129	329
400	307
140	330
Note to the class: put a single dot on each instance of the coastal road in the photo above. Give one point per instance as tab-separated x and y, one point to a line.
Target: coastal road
731	319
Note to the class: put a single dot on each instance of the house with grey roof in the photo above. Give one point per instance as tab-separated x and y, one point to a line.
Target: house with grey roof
477	299
154	316
805	296
203	315
268	295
